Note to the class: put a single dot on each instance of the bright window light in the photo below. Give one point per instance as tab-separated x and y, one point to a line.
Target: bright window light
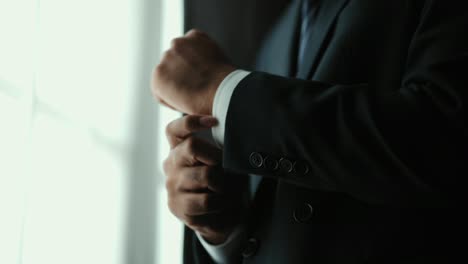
81	139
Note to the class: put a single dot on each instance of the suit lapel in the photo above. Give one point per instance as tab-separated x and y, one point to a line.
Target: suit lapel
329	10
280	49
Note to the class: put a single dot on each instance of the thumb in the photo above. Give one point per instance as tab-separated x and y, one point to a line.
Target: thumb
181	128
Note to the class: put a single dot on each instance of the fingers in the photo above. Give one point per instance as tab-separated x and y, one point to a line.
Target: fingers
195	33
193	190
190	193
206	213
192	167
180	129
186	205
197	180
195	151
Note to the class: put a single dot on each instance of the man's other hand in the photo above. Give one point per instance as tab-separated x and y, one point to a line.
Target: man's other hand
199	192
189	74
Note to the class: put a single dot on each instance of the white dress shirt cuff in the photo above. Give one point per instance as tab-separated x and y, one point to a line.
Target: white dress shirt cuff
224	253
221	103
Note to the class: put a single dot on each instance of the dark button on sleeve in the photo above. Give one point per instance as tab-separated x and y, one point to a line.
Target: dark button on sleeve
256	160
301	168
285	165
271	163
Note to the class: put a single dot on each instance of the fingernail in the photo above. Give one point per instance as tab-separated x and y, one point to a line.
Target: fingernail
208	121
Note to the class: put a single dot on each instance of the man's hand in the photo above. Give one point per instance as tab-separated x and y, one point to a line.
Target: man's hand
200	193
189	74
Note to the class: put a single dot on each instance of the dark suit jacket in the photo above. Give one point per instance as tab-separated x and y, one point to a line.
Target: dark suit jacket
365	155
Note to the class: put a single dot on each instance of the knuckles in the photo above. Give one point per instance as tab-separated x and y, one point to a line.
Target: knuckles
161	68
178	45
166	56
195	32
158	72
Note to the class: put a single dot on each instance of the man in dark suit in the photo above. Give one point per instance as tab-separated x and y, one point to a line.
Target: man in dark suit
355	123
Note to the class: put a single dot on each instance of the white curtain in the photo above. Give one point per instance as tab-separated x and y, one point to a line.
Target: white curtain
81	139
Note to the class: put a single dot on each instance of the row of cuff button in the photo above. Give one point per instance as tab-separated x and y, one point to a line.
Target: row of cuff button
257	161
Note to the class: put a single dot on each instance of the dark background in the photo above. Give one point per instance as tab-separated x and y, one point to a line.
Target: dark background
239	26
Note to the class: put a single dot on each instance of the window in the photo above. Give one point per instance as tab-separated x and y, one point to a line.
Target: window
81	139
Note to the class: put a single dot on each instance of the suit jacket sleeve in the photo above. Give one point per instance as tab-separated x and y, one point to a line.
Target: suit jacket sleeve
404	145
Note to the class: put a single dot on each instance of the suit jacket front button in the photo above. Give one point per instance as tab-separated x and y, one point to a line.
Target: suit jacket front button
251	248
303	213
256	160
